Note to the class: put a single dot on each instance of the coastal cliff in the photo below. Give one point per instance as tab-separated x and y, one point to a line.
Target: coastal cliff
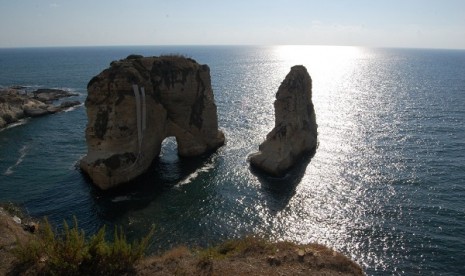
137	103
295	131
247	256
16	104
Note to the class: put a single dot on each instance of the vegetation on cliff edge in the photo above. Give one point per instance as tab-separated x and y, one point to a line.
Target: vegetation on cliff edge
72	253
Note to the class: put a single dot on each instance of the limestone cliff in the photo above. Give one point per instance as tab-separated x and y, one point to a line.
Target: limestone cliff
138	102
295	131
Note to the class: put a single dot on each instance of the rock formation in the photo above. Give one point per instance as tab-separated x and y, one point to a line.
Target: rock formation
295	131
138	102
16	104
48	95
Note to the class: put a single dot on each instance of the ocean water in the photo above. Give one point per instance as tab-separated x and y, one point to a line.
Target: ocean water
386	185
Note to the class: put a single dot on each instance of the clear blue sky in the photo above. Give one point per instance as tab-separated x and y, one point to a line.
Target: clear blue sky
388	23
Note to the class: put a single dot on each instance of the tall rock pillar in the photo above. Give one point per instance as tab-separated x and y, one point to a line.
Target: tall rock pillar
295	131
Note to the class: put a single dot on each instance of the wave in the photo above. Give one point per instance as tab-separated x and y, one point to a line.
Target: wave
73	107
18	123
29	88
22	155
191	177
121	198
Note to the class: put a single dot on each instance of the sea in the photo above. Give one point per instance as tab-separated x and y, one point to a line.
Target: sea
385	186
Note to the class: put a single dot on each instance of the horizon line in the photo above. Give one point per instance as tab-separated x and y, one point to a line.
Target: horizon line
225	45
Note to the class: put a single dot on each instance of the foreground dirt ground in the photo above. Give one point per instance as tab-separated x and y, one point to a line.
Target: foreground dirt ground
251	257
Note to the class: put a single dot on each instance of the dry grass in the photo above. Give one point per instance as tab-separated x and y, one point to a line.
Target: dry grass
251	256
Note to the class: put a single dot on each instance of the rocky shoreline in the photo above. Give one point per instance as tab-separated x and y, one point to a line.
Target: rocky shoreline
17	103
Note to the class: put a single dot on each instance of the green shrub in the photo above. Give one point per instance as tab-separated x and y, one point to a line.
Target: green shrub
71	253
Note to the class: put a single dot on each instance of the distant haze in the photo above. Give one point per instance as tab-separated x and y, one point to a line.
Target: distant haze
395	23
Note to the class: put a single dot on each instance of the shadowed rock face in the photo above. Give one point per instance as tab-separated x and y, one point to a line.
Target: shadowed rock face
127	124
295	131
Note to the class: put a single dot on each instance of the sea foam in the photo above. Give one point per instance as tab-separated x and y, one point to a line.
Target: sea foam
22	155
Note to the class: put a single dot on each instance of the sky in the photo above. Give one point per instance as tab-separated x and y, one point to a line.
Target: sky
371	23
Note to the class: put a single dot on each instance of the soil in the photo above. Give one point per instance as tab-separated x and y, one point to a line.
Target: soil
10	234
282	258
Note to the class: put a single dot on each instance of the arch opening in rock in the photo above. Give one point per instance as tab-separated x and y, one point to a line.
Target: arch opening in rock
169	151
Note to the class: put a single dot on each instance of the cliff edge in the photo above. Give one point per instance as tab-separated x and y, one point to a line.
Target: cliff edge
248	256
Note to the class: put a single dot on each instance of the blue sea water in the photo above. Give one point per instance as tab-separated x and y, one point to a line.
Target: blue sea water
386	185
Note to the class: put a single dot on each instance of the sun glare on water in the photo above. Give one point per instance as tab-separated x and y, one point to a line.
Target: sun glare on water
330	202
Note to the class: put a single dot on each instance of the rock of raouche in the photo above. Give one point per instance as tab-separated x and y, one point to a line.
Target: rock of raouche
137	103
295	131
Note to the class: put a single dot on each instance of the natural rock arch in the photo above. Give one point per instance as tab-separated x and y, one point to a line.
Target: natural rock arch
137	103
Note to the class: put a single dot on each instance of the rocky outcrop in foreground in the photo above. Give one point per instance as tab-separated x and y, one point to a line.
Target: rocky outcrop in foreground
16	104
138	102
12	233
295	131
251	256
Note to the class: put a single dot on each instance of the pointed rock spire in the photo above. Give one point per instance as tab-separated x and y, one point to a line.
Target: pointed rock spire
295	131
